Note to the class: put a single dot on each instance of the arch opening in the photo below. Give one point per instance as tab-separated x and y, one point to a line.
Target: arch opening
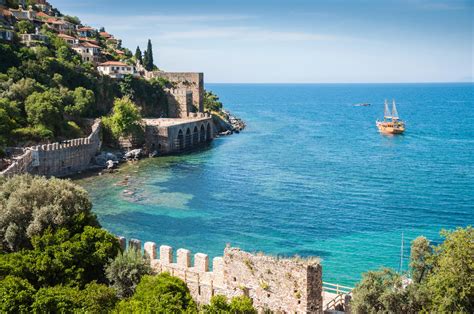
195	136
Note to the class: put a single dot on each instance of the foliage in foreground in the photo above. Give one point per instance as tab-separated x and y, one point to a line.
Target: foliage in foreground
162	293
442	279
238	305
126	270
31	205
53	249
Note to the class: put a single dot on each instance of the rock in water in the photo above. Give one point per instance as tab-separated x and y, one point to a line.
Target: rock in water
133	154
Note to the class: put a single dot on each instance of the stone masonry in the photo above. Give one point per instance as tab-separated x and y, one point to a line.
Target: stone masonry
166	136
280	285
188	81
58	159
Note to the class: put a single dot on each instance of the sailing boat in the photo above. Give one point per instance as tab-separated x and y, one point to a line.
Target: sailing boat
391	123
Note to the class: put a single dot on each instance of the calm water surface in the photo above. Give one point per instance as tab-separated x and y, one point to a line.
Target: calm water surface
309	176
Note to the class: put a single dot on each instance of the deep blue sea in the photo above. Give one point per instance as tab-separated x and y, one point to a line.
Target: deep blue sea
310	176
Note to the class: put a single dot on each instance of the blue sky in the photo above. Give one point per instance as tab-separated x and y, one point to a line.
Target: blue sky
300	41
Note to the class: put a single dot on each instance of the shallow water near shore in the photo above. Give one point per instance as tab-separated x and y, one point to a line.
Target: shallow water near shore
310	176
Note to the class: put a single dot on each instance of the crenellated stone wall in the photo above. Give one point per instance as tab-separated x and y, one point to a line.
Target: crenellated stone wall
278	284
58	159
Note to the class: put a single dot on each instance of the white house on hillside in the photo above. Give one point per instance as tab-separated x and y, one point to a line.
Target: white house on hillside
70	40
116	69
88	52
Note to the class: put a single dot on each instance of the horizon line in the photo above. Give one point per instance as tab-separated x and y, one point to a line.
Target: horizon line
302	83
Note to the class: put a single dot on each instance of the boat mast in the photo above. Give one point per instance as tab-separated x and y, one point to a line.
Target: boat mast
401	256
394	111
386	114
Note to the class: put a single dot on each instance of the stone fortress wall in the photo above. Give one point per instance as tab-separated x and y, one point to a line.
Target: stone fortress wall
183	83
280	285
58	159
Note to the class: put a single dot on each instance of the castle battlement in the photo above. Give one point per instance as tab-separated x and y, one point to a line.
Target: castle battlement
278	284
58	159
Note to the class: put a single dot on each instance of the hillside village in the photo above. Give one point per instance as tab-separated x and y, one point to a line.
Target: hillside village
80	70
98	47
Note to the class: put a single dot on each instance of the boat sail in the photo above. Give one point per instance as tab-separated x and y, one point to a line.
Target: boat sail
391	123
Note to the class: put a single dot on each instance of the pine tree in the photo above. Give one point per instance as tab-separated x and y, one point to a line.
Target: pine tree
149	56
138	55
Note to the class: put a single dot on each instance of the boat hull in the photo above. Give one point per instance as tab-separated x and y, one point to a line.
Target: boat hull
390	129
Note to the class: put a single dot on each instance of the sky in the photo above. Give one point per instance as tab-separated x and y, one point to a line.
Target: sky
295	41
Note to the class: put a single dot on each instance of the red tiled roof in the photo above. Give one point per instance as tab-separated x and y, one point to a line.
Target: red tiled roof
119	52
105	34
89	40
89	45
114	63
43	15
85	28
64	36
53	20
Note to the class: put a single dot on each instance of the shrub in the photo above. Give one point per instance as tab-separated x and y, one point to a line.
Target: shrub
442	279
30	205
16	295
237	305
126	270
211	102
379	291
45	109
125	118
94	298
159	294
62	258
58	299
450	284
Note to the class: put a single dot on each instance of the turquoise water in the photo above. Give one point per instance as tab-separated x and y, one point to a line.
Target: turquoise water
310	175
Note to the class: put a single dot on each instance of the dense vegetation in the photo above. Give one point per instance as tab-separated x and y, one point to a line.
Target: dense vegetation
55	258
46	91
441	279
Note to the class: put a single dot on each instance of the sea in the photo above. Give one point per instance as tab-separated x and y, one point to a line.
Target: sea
309	176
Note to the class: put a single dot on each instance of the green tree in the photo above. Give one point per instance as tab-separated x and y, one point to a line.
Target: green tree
82	99
238	305
9	119
420	254
138	55
72	19
16	295
25	27
242	305
148	57
125	118
44	109
63	258
57	299
159	294
211	102
450	284
126	270
23	88
30	205
379	292
98	298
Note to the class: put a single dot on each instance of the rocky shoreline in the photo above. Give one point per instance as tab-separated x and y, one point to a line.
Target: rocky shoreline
227	123
107	161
